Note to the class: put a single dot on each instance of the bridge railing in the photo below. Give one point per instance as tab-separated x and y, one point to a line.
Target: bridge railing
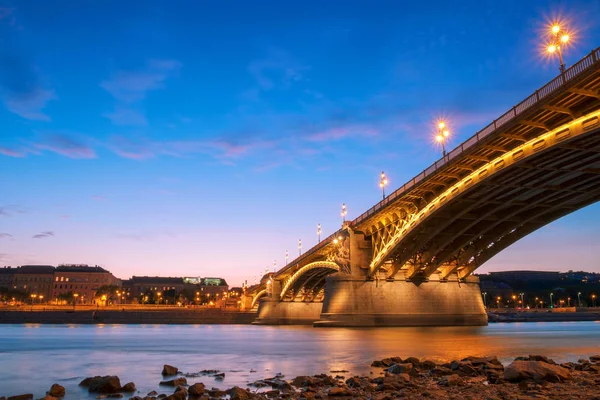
581	66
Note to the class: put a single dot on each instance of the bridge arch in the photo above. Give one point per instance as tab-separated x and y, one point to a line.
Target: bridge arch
315	271
258	295
510	196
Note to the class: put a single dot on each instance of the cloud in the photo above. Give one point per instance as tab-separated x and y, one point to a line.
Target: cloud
126	116
99	198
132	86
5	235
43	235
10	210
20	88
342	132
11	152
30	105
278	69
65	145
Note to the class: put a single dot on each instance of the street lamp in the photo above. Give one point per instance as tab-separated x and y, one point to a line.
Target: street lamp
522	299
75	296
299	247
536	302
382	183
33	296
514	301
594	300
287	255
344	212
498	302
568	301
558	38
551	303
442	136
579	298
319	232
484	301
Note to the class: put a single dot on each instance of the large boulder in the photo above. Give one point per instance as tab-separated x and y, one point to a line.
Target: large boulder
339	392
521	370
237	393
128	387
57	390
174	382
21	397
102	384
197	389
400	368
169	370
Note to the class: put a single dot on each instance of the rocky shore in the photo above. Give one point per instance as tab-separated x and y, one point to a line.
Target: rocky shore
528	377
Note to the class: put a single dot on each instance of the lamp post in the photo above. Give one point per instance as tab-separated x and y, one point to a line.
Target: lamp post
558	38
274	265
514	301
484	300
299	247
568	301
75	296
579	298
442	136
536	302
344	212
522	299
287	255
33	296
498	302
319	232
594	300
382	183
551	303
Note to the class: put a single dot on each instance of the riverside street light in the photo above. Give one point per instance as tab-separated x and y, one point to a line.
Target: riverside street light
287	255
442	136
383	183
551	303
484	301
319	232
579	298
299	247
344	212
559	38
594	300
522	298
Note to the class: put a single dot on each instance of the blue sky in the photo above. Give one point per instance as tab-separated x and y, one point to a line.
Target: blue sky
192	138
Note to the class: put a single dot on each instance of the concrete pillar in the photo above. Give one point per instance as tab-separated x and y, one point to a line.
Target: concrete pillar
275	312
361	254
355	301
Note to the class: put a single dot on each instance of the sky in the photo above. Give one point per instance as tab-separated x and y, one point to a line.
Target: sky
196	138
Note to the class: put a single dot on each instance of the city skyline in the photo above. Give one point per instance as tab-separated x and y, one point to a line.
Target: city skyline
216	160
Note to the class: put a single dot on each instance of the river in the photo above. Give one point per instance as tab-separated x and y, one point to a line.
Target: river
33	357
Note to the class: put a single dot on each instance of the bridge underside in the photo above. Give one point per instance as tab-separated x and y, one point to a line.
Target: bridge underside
502	209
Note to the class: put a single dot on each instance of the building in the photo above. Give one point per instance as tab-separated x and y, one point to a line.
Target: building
35	280
140	286
6	278
81	281
528	276
213	287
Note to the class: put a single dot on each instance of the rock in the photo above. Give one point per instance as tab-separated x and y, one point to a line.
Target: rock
181	389
237	393
20	397
196	389
400	368
102	384
46	397
220	376
339	392
595	359
272	393
174	382
427	365
136	398
181	395
535	357
169	370
152	393
441	371
128	387
115	396
520	370
57	390
412	360
451	380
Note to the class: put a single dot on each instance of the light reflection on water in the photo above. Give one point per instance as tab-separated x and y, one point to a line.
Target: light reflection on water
35	356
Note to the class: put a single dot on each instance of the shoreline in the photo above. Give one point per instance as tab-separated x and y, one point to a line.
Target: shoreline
526	377
174	315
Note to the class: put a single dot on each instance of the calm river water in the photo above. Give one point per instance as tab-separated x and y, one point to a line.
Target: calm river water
32	357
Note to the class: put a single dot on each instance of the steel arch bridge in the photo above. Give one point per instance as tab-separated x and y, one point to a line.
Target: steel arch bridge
533	165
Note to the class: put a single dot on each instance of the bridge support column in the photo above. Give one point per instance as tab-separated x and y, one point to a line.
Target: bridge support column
275	312
352	301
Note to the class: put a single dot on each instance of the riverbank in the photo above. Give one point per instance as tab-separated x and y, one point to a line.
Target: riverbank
127	316
543	316
527	377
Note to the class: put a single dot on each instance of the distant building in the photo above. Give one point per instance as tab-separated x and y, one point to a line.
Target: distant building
34	279
213	287
6	278
83	280
139	285
528	276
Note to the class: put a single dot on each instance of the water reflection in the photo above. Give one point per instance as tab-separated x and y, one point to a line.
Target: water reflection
137	352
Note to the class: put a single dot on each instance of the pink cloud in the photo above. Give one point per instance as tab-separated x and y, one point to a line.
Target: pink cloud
342	132
125	116
11	152
66	146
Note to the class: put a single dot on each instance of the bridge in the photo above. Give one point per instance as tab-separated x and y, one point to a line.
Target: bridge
409	259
